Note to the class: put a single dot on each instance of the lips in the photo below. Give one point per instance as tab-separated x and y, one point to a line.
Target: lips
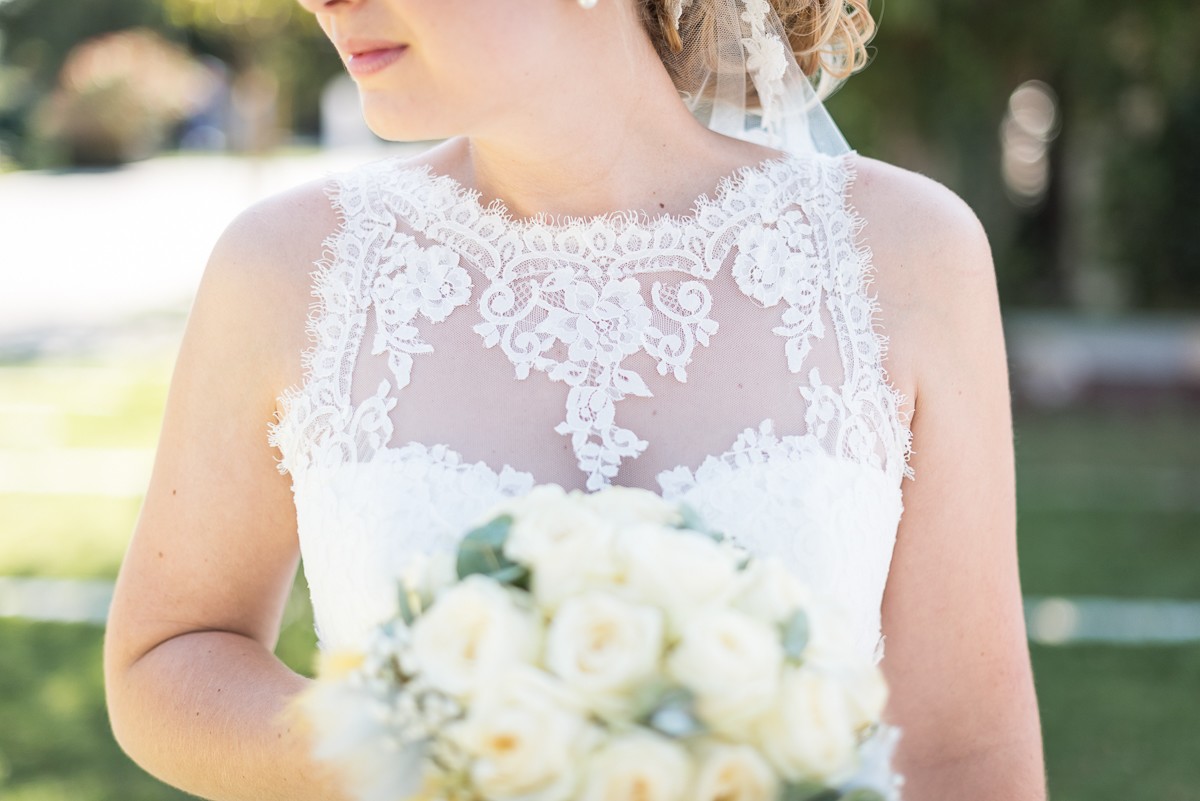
366	57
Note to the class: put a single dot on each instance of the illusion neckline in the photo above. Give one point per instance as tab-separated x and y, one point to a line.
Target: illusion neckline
497	210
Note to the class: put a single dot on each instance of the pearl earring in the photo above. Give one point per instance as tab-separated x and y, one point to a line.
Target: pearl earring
587	3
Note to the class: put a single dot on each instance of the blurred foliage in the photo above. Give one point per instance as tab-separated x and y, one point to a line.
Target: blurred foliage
57	744
277	36
1106	234
249	19
1113	721
118	95
252	37
35	38
1109	233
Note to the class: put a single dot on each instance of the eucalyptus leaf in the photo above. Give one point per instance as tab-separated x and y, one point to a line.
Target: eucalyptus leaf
482	549
645	697
863	794
675	723
512	574
691	520
795	635
409	603
808	791
675	714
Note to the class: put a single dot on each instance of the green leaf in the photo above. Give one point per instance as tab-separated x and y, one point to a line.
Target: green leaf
863	794
691	520
512	574
808	791
645	696
482	549
795	634
674	715
407	597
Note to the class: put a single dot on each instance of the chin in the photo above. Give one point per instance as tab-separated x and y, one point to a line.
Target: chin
404	122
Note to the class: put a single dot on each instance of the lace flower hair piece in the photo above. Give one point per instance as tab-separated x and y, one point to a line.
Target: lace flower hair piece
675	11
735	64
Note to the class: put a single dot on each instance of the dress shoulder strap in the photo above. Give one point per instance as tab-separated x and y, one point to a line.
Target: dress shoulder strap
319	408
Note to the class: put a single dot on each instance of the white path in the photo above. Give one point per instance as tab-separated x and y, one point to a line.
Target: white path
112	473
1050	621
1120	621
124	473
55	600
91	247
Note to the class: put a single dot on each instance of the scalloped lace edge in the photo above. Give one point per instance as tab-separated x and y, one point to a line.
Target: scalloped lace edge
318	311
865	268
498	211
867	271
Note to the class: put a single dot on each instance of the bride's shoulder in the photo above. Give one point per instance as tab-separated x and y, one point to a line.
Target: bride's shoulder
933	269
259	274
916	221
271	244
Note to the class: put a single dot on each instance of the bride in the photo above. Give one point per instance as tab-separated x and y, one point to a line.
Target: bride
589	282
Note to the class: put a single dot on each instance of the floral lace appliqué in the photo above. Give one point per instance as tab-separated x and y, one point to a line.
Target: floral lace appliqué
578	283
414	280
574	298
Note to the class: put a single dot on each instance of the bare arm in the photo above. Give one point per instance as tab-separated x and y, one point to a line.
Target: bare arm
195	693
957	657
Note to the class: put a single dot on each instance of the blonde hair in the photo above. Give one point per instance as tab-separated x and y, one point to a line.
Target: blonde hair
828	37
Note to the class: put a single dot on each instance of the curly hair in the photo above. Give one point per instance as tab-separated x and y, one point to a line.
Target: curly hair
828	37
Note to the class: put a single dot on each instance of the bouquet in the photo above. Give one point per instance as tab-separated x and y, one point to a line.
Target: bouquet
601	647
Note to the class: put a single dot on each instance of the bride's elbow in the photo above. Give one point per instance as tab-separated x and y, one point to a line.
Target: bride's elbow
126	695
1009	771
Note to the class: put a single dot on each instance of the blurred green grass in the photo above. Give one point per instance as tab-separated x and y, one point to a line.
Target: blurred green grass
68	404
55	742
1106	506
82	403
80	537
1119	723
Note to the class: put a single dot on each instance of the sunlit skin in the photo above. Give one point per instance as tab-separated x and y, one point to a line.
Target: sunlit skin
559	109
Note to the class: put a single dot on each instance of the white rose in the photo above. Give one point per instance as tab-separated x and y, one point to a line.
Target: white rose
866	694
348	731
568	546
640	766
539	495
831	644
809	733
525	737
474	629
733	773
678	571
732	662
574	565
427	576
769	591
626	506
602	646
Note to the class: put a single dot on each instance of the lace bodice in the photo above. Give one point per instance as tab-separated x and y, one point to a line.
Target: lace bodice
731	357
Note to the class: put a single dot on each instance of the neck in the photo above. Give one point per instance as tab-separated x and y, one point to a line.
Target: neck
620	139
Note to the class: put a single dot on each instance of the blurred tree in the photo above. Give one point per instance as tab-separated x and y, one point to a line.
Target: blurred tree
278	55
276	48
118	96
1106	232
35	37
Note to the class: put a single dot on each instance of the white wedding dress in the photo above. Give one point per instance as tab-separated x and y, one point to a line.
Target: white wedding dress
731	357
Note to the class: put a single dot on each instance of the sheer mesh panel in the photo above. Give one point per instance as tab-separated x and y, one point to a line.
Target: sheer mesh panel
467	397
599	350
